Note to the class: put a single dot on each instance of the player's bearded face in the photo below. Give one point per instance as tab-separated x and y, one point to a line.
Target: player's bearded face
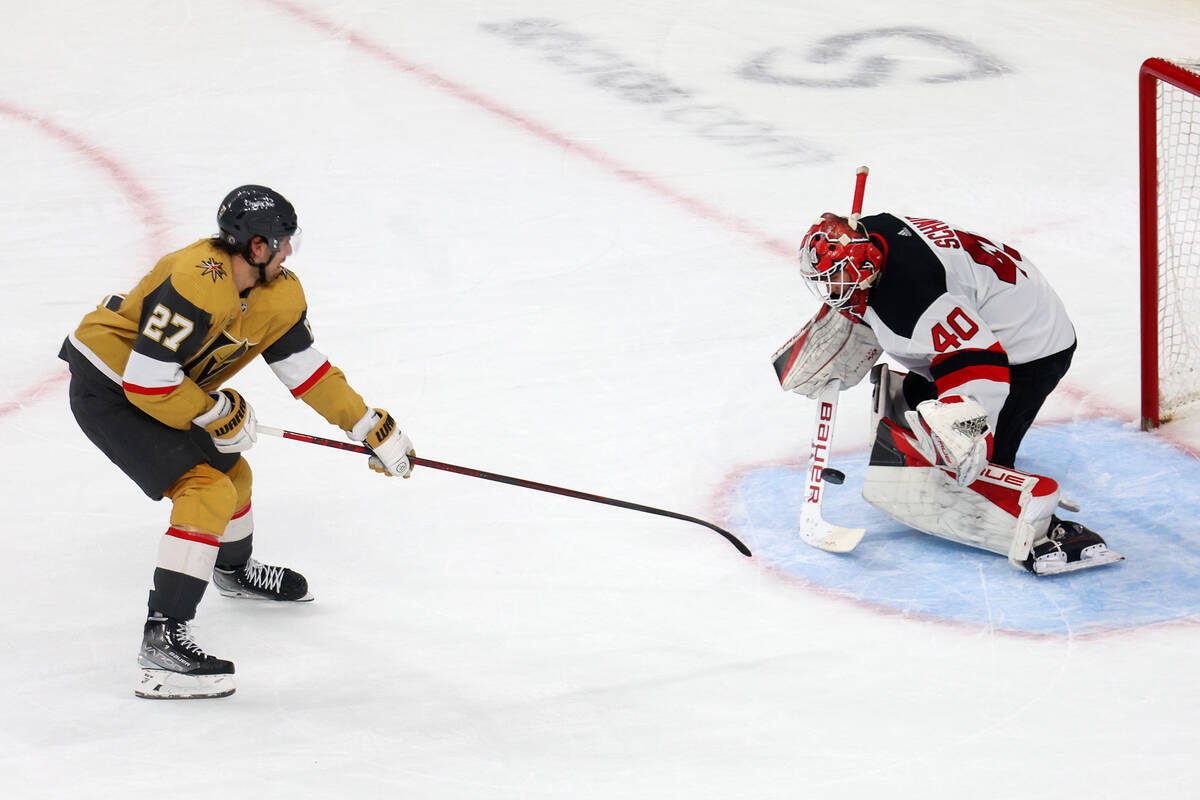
286	248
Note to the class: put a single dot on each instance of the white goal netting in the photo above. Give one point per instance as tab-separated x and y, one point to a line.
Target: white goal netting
1178	201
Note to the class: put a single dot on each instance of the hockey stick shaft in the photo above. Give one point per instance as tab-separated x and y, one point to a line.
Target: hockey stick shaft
522	482
860	188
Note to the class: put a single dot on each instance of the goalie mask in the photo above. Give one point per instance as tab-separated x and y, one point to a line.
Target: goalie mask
839	263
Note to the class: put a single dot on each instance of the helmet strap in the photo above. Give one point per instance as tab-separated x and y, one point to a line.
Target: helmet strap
262	268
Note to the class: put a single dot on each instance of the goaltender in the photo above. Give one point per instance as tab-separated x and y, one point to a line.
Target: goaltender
985	339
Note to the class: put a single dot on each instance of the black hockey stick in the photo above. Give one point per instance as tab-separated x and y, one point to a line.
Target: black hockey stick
492	476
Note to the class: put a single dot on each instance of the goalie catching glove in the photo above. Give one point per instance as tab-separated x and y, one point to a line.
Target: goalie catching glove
953	432
230	422
389	445
830	347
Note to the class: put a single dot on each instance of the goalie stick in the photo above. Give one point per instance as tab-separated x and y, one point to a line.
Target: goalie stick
814	528
492	476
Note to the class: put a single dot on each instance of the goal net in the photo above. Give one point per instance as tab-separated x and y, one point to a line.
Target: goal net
1169	110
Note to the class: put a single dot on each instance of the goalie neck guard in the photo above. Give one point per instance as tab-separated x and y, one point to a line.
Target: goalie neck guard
839	263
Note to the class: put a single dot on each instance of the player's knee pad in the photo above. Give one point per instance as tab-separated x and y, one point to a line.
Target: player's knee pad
241	524
204	499
242	478
1002	512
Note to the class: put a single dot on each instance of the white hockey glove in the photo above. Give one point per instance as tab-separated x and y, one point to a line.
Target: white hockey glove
830	347
230	422
390	447
953	432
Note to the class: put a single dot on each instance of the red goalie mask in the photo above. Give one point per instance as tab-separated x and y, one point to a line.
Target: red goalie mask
839	263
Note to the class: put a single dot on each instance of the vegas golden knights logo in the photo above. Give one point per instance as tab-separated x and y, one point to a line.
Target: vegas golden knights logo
210	266
224	351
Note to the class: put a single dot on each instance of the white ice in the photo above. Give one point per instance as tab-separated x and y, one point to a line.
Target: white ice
555	251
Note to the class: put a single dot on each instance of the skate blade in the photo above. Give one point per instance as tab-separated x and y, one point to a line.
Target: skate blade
1041	568
252	596
163	684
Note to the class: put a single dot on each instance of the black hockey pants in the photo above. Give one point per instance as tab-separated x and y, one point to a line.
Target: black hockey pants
1029	386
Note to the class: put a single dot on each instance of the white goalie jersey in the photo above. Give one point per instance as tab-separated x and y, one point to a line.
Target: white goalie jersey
959	309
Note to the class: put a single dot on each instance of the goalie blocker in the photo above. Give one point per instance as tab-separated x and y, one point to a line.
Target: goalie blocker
1004	511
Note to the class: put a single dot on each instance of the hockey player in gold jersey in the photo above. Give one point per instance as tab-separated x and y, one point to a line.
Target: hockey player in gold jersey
146	374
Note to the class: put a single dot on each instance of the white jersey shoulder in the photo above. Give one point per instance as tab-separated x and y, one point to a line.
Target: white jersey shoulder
978	293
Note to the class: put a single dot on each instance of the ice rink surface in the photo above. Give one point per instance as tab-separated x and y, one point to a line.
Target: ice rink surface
555	240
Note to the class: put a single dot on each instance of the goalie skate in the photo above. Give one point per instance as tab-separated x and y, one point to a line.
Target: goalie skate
1069	546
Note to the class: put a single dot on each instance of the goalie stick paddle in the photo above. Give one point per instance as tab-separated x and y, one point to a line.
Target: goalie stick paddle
492	476
814	529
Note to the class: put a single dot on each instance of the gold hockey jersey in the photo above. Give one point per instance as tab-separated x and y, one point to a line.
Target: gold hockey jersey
184	330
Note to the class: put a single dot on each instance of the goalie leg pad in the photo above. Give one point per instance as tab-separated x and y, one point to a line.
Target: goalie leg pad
1002	512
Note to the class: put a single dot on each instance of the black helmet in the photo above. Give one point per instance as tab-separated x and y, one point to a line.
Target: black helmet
250	211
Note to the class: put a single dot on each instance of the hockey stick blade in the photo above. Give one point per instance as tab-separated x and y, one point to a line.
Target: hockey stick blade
828	537
522	482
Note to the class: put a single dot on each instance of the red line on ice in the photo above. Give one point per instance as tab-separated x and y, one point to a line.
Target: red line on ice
148	210
543	132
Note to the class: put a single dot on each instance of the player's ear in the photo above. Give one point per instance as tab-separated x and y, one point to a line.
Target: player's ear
258	248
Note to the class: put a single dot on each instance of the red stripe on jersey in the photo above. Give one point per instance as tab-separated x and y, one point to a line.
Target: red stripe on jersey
968	374
133	387
940	357
194	536
312	379
242	513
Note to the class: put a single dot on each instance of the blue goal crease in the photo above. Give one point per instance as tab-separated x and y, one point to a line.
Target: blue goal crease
1139	492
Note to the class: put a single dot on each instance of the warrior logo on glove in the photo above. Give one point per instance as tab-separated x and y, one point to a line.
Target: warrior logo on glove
390	446
230	422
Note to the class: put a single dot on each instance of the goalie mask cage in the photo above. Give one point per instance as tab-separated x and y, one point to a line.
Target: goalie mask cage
1169	145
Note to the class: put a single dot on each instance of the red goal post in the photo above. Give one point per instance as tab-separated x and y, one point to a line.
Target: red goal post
1169	145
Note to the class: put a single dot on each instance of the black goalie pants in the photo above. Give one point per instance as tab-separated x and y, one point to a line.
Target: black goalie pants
1029	386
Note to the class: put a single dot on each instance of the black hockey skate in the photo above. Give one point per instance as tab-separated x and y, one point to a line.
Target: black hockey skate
261	582
1068	546
173	666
